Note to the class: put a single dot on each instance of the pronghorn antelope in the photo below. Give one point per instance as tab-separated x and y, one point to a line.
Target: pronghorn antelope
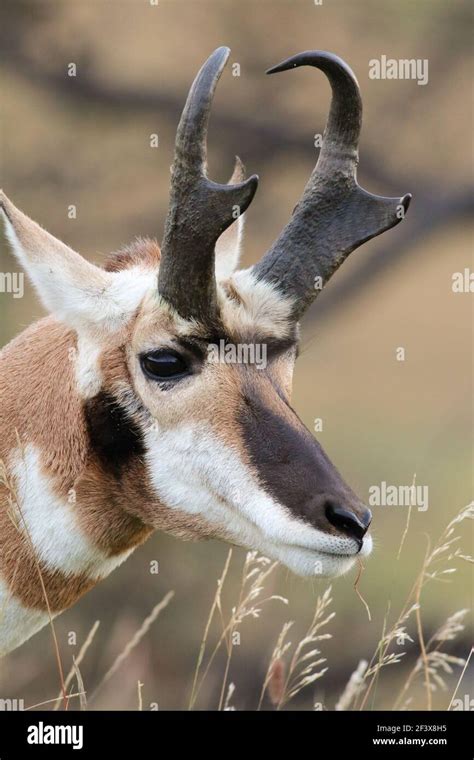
114	421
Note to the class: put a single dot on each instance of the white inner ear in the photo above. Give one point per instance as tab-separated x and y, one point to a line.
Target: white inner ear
79	293
228	249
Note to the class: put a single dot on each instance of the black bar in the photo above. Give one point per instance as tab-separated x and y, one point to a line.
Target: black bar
317	734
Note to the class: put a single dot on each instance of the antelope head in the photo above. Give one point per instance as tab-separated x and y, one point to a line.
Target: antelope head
184	363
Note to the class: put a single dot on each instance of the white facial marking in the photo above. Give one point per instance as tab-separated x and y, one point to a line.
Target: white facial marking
261	304
124	295
88	374
52	526
192	470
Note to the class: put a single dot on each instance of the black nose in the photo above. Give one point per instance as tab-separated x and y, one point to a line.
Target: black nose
348	522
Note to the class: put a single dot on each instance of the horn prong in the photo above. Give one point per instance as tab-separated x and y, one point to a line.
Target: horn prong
200	210
335	215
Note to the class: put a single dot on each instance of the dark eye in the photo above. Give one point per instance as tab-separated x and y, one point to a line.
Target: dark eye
164	365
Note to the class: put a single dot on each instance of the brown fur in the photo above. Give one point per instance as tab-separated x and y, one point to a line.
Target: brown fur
115	516
52	420
25	576
42	358
118	513
142	252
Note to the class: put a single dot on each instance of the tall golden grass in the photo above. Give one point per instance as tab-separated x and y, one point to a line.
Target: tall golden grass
292	666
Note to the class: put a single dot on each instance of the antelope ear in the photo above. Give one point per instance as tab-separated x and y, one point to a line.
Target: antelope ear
228	249
79	293
229	245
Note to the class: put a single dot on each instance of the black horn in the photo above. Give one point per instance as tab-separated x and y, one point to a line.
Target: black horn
335	215
199	209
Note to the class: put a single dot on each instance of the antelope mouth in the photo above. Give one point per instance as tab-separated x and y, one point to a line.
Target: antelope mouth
306	559
363	550
317	562
304	549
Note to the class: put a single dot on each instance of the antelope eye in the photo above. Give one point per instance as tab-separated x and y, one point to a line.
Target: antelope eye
164	365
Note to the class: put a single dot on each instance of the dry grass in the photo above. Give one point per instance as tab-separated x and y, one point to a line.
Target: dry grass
78	660
430	660
134	641
294	667
255	573
354	687
15	515
303	666
288	674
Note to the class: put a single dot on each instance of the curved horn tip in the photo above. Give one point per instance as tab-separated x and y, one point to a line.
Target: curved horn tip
222	53
253	181
246	191
406	200
277	68
312	58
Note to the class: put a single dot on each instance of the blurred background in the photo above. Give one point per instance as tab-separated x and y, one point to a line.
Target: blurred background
85	141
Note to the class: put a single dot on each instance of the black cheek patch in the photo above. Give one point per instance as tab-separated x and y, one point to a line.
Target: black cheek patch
114	437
